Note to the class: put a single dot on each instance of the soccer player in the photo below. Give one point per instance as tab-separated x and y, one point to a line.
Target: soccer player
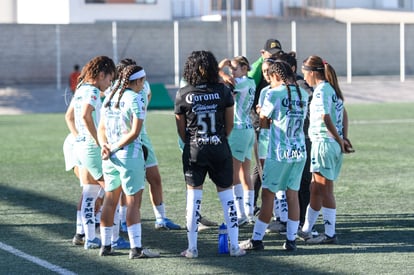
283	110
123	114
204	117
328	131
82	118
242	137
151	172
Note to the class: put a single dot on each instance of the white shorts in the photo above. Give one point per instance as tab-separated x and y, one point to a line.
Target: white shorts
71	159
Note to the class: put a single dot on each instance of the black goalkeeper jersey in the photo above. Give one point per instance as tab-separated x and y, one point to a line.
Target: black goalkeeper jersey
204	108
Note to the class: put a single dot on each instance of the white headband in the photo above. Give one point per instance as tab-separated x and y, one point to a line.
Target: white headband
137	75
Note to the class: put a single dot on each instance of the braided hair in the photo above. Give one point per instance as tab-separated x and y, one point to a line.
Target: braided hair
96	65
284	70
123	83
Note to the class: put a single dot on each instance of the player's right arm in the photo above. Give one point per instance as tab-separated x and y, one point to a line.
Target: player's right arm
181	125
70	119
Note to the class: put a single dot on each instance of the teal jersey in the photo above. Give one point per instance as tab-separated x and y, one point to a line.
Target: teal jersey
146	92
118	121
264	133
243	101
262	95
86	94
324	102
286	136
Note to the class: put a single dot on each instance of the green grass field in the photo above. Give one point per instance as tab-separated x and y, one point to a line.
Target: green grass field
375	205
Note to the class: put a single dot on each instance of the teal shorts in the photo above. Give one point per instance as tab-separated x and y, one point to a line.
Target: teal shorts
241	143
263	143
151	159
279	175
89	155
326	158
128	173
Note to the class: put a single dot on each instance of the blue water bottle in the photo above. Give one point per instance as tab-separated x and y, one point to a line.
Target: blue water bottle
223	243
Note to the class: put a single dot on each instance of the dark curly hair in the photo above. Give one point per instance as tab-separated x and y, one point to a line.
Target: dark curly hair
201	67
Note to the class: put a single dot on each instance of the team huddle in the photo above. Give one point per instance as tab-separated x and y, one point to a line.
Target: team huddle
225	112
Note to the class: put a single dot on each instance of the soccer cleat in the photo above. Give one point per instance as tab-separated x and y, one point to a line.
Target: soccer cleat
242	221
78	239
202	227
190	253
206	222
283	228
304	235
123	228
92	244
323	239
121	243
276	226
237	252
314	232
142	253
106	250
289	245
251	245
166	224
256	211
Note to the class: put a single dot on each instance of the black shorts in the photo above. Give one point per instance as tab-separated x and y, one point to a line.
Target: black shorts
216	160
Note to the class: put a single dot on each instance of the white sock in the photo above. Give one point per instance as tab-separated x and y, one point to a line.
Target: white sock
248	202
115	227
230	216
259	230
98	215
89	195
310	219
283	207
238	200
79	224
291	229
193	208
276	209
106	233
134	235
159	211
329	219
122	213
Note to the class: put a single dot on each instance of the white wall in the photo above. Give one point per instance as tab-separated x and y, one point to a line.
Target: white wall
8	12
76	11
88	13
43	11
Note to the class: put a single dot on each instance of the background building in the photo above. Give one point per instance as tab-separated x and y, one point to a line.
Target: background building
43	39
90	11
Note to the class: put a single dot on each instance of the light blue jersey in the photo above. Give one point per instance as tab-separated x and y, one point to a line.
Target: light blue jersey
243	101
263	142
86	94
118	121
286	136
324	102
146	92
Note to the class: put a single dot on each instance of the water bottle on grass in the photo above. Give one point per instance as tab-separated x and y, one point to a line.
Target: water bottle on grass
223	243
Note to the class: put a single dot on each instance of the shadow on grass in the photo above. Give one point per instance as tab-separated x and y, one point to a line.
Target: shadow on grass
51	241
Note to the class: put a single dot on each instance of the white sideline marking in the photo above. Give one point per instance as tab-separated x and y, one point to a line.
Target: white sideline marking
386	121
35	260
